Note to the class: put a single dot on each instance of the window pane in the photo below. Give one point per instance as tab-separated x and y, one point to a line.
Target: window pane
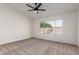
53	26
59	24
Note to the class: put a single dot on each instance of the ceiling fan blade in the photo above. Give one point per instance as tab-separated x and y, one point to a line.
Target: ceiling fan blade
39	5
30	10
30	6
41	10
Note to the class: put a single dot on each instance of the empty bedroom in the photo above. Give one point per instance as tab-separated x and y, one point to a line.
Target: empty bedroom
39	28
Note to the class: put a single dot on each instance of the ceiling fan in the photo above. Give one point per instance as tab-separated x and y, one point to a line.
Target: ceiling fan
36	7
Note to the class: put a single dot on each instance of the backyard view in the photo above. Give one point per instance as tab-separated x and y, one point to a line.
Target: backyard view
54	26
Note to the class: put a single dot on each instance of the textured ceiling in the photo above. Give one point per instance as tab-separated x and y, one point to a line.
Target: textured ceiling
52	9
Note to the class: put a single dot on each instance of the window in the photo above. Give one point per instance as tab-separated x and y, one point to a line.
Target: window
51	26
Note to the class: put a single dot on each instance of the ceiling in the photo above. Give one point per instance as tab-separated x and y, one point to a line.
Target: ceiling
52	9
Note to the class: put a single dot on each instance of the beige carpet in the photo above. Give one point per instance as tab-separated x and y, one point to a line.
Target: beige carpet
38	47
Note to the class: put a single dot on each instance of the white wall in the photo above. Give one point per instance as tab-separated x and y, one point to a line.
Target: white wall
69	29
13	25
78	27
